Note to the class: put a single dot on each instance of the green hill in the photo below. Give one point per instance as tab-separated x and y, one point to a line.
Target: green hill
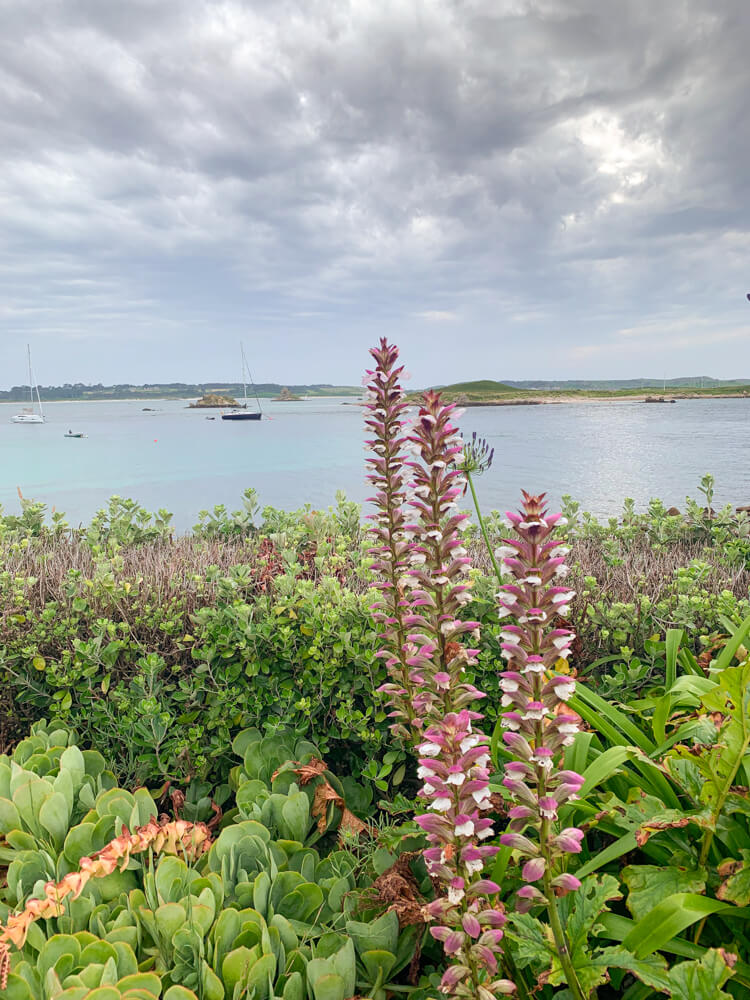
484	386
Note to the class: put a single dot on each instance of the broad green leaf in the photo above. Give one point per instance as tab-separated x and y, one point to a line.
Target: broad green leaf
54	816
668	919
736	887
701	980
649	884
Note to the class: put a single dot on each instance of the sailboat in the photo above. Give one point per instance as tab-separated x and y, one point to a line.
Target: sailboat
29	415
242	412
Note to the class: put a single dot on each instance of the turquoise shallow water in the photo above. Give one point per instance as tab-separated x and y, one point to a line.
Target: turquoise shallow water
175	458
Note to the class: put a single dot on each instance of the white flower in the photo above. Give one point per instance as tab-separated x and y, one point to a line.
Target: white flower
441	805
417	558
562	571
534	581
457	778
535	713
534	667
482	761
480	796
425	772
468	743
465	829
566	690
455	895
567	728
562	641
503	551
474	867
430	749
483	834
563	610
566	595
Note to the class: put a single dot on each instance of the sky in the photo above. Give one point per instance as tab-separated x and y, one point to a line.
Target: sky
505	188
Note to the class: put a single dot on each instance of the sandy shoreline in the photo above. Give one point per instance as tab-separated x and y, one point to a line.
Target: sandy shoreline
577	400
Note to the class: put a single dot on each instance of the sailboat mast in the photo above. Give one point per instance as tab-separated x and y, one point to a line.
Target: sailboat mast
32	386
244	386
245	366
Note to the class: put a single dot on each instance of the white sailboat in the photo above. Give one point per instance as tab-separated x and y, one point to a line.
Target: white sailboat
29	415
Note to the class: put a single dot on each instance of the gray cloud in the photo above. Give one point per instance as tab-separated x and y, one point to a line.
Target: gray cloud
476	175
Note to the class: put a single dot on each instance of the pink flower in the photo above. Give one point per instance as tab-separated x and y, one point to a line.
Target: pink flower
565	883
533	870
569	840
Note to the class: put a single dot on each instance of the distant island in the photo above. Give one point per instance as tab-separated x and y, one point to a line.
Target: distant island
285	396
486	392
169	390
212	399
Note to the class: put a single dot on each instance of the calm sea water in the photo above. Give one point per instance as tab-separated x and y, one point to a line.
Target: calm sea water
304	452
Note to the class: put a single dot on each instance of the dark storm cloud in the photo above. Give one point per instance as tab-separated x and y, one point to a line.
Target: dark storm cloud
308	175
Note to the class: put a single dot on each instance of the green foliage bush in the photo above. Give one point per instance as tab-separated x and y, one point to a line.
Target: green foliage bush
261	620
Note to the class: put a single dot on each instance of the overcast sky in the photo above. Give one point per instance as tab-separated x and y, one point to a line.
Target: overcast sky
507	188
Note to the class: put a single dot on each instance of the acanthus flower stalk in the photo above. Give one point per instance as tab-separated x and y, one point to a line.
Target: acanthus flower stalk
386	406
453	752
538	725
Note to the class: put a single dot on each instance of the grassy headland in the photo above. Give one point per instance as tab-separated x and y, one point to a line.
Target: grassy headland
485	392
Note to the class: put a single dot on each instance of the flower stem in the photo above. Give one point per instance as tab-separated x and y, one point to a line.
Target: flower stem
561	942
483	527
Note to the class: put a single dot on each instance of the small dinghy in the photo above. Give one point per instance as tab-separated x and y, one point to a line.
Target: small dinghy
70	434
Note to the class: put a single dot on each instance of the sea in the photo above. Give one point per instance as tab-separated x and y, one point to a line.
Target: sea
302	453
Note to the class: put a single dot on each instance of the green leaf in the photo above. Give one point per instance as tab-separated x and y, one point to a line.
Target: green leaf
727	654
668	919
54	816
589	902
702	980
650	884
9	818
380	934
651	970
28	799
296	815
672	645
736	887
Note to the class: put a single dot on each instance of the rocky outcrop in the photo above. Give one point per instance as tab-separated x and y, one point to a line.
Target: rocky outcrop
285	396
213	399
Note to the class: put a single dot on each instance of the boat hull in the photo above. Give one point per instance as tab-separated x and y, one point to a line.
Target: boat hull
27	418
241	416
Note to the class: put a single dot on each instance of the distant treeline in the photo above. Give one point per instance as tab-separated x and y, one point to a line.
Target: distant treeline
166	390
